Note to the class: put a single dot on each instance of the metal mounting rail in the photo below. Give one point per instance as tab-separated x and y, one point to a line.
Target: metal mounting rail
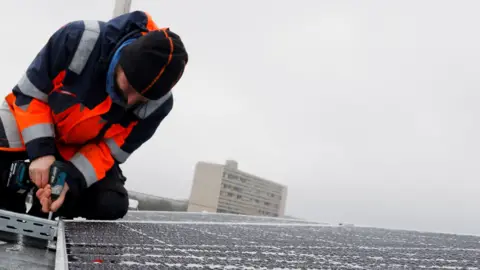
61	258
28	225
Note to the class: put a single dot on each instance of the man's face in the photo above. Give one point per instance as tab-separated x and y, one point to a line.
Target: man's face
126	91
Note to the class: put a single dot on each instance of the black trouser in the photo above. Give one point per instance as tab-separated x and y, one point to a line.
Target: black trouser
107	199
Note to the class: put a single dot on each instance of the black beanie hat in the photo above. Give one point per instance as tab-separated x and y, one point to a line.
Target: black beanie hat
154	63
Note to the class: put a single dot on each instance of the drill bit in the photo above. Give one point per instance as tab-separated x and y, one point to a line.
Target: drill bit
57	181
50	244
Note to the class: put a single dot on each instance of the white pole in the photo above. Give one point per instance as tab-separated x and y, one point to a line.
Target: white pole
121	7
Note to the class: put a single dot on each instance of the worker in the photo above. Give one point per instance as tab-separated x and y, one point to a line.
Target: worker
93	95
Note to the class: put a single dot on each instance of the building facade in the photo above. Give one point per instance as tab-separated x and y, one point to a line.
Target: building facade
223	188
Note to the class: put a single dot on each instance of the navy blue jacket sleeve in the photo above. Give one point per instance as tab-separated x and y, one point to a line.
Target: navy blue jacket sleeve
140	133
33	113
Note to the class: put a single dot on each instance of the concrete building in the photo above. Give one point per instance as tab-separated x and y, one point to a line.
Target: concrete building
223	188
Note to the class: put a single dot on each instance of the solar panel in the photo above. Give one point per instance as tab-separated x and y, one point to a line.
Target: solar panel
214	241
168	244
210	217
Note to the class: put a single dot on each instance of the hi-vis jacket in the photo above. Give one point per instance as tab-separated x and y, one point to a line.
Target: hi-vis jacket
60	105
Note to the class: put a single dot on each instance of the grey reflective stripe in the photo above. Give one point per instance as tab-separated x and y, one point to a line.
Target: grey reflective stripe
148	108
85	167
29	89
38	131
10	127
117	152
24	107
85	47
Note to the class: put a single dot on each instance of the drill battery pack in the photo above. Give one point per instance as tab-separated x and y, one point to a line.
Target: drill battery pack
18	177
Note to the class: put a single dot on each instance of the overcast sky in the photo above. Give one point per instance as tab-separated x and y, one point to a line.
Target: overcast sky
367	110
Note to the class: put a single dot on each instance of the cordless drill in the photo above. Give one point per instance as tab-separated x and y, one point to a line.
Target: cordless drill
19	180
57	178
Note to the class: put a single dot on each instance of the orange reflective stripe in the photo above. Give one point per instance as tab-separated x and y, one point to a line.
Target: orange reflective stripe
119	133
99	157
58	80
151	25
66	151
164	67
115	142
11	136
36	113
95	159
66	122
34	122
6	149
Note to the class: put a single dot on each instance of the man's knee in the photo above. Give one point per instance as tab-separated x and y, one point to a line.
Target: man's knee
106	199
111	205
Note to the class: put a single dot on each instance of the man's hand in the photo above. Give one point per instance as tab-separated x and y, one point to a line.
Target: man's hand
39	170
44	196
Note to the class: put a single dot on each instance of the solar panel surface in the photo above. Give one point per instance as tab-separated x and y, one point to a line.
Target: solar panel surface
213	241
